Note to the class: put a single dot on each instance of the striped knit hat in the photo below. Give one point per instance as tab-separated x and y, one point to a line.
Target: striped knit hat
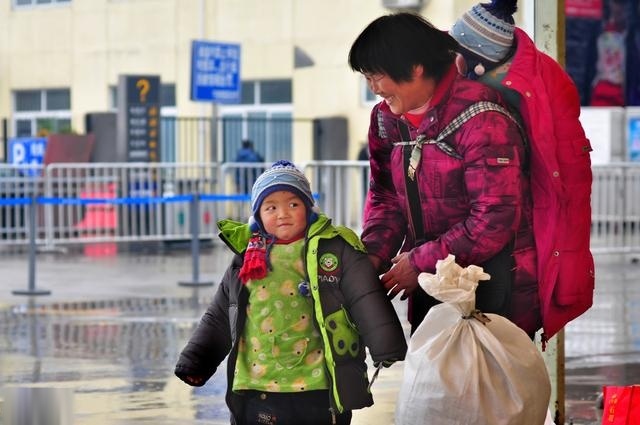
283	175
487	30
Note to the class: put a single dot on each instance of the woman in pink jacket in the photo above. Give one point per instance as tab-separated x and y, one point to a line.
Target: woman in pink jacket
464	193
495	52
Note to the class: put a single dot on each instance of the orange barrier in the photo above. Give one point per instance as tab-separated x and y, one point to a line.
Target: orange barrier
100	219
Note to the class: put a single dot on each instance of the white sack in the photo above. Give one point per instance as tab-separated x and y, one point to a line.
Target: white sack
464	372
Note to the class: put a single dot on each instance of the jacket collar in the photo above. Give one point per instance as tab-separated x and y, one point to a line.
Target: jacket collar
237	234
443	88
524	62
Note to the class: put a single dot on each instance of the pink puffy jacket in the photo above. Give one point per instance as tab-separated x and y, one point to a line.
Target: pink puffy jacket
471	207
560	183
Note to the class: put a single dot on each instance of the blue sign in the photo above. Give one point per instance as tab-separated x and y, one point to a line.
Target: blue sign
634	139
215	72
27	151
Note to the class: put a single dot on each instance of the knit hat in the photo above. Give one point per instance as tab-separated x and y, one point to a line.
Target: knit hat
283	175
487	30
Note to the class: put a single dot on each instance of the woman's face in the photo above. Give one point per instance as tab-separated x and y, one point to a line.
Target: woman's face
402	96
284	215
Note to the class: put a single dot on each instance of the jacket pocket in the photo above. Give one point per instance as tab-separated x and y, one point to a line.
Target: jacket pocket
343	335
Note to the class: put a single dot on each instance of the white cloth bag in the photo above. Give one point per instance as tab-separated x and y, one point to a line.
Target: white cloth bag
461	371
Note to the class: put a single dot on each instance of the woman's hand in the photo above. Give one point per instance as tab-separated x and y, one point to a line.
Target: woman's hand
401	277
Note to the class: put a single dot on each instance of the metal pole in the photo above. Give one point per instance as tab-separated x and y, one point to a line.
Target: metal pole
549	37
5	140
194	217
32	254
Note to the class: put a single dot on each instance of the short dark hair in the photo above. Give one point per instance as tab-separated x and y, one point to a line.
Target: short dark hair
246	143
393	44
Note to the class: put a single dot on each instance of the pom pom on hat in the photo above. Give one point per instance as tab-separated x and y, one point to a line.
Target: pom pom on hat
283	175
502	9
487	30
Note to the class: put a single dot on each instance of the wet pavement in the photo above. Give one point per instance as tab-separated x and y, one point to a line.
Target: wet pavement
101	347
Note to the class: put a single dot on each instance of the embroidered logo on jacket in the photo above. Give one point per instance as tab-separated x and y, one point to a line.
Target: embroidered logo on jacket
328	262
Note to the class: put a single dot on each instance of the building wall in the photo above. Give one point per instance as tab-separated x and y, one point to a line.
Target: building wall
86	44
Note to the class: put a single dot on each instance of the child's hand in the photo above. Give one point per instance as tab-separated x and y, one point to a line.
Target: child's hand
378	366
194	380
385	363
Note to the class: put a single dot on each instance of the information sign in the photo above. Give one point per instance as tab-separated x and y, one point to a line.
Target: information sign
215	72
27	151
142	110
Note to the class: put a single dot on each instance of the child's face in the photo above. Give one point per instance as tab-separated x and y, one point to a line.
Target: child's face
284	215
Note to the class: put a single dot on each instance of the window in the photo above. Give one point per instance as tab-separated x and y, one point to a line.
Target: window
167	95
266	92
248	93
36	3
41	112
367	97
264	115
278	91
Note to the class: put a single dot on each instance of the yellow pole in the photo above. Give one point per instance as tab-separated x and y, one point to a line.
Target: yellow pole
549	36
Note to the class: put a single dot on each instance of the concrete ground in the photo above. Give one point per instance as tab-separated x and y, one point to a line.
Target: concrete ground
100	348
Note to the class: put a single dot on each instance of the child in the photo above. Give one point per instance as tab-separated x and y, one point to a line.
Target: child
294	312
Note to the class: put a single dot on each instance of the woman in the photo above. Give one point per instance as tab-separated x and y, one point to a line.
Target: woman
465	195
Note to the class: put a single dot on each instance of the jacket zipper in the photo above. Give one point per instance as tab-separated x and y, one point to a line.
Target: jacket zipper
315	318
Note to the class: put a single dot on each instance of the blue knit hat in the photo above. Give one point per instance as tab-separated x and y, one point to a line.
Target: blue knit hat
283	175
487	30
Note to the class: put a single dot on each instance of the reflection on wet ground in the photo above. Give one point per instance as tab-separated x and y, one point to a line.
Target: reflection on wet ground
115	352
117	355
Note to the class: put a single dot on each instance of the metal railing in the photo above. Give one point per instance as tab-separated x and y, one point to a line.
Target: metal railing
136	202
615	208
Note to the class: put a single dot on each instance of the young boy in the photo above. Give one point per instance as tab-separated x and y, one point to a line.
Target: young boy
294	312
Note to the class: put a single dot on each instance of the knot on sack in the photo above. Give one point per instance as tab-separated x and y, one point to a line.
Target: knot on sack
478	315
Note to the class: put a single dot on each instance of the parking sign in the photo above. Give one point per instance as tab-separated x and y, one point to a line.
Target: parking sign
27	151
215	72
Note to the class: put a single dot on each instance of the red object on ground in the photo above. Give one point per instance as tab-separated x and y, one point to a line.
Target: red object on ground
100	219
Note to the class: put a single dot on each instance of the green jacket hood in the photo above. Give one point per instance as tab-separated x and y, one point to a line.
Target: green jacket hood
237	234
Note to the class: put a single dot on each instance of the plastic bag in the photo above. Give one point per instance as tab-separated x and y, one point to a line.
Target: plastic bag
621	405
464	367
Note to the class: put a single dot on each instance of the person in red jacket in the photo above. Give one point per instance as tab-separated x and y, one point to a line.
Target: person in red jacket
497	53
465	194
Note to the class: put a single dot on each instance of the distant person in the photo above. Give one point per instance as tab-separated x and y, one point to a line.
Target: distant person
246	176
294	312
363	155
608	84
633	60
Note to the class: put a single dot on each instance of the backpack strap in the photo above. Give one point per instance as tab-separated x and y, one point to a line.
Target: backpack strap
452	127
411	186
